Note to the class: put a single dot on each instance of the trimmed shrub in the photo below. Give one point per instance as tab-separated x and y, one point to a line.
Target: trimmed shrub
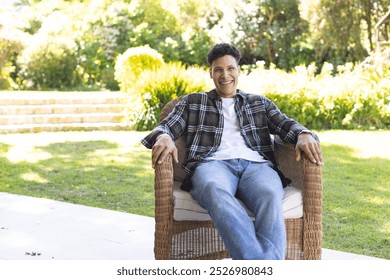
132	63
49	64
353	99
158	87
358	99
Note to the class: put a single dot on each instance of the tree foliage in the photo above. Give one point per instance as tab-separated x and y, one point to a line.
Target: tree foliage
102	30
343	30
285	33
339	38
270	30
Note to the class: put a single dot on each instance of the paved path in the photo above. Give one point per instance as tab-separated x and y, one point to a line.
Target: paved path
34	228
44	229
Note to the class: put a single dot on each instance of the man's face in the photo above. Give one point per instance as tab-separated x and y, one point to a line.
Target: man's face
224	72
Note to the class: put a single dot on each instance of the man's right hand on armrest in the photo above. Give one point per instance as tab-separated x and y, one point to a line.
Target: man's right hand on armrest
162	148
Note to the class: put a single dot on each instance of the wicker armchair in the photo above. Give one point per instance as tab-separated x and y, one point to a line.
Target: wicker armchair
187	239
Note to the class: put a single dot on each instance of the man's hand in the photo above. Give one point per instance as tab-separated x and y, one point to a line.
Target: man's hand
162	148
307	144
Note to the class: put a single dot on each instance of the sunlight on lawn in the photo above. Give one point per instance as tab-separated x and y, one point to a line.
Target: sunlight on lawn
33	177
377	200
386	228
22	151
366	144
106	169
24	147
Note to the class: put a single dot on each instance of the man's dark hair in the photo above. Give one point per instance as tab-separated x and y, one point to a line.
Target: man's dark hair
220	50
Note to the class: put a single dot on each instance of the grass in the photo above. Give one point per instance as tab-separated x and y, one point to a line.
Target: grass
356	181
103	169
112	170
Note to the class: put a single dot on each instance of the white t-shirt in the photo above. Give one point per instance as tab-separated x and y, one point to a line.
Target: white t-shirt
232	142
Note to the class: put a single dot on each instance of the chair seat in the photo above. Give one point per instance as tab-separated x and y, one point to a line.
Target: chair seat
187	209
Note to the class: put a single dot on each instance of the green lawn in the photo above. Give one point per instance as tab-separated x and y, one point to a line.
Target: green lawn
103	169
356	182
112	170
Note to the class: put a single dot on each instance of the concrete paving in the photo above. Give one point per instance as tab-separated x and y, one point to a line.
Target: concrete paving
43	229
35	228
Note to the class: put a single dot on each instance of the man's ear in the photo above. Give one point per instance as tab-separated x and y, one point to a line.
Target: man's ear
211	75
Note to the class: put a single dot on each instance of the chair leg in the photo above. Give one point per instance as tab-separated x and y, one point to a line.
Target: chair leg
162	241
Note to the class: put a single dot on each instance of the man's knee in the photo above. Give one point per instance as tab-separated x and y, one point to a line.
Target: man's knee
273	192
210	189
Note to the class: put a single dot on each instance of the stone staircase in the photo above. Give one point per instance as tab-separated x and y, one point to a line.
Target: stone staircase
61	111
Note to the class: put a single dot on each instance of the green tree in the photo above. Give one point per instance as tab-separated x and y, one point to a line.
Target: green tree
196	19
157	27
371	12
270	30
101	35
344	30
102	30
338	39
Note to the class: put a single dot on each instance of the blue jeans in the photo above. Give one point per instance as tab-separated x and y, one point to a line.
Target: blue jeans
216	186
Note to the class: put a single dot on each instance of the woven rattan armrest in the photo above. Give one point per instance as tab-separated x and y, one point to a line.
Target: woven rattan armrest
306	176
163	184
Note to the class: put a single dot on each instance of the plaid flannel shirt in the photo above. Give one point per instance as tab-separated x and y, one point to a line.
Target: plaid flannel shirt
199	116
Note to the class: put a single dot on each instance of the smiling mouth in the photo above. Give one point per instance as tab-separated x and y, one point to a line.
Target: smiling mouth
225	82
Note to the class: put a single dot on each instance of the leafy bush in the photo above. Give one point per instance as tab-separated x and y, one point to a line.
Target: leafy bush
353	99
49	64
158	87
10	46
132	63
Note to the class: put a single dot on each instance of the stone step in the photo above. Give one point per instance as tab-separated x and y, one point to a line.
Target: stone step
61	109
34	128
61	118
47	98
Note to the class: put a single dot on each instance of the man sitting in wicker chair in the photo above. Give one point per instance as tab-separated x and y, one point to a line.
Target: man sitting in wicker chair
229	154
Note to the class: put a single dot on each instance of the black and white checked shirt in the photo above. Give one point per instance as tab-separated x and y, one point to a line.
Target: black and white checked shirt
200	117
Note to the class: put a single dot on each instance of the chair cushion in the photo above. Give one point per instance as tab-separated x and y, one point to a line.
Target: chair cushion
187	209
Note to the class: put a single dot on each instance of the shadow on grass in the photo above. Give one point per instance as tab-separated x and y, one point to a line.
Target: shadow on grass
94	173
356	205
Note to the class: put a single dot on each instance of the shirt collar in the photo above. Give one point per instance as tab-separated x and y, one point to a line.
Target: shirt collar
214	95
